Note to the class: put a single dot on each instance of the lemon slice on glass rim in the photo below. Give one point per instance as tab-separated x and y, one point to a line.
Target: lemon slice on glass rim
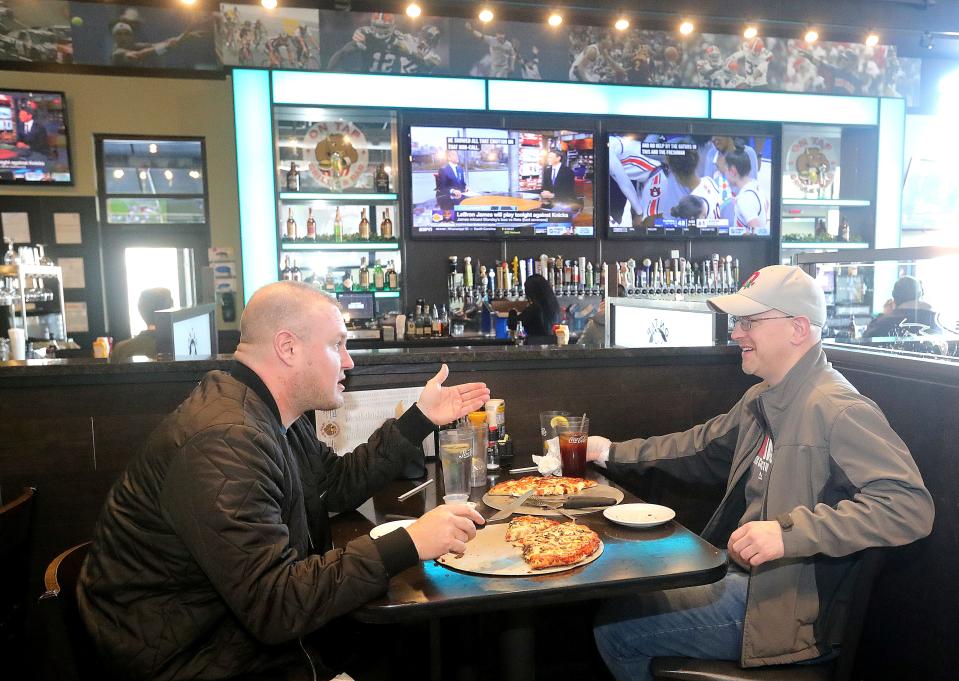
558	421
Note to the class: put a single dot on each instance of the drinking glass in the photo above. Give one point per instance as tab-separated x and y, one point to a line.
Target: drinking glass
548	420
456	454
572	445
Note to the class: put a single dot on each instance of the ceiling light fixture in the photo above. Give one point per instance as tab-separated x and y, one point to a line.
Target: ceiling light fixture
188	2
118	174
872	39
812	35
153	148
686	27
555	19
750	32
621	24
486	15
413	10
268	4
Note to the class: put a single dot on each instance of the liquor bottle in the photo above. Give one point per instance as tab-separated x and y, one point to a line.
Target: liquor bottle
444	322
290	225
364	226
337	226
411	324
293	178
364	275
378	277
436	325
386	225
285	272
381	180
844	229
296	274
392	277
310	225
347	281
328	285
468	272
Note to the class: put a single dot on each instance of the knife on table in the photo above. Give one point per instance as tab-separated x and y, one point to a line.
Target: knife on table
509	508
575	502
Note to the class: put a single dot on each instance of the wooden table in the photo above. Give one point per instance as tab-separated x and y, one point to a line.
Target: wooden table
633	561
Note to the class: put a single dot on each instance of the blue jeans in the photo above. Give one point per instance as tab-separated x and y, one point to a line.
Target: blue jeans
704	622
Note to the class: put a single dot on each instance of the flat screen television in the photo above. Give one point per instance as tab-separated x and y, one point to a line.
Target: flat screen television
501	184
34	139
359	306
689	186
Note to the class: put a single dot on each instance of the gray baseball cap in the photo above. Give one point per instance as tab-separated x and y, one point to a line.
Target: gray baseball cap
778	287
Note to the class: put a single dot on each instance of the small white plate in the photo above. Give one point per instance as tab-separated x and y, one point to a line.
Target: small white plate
386	528
639	515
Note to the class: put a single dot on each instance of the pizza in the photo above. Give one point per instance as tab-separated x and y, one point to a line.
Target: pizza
542	486
521	527
559	544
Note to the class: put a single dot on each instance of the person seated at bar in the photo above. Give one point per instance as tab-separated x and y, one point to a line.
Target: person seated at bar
907	308
542	312
813	474
145	342
212	556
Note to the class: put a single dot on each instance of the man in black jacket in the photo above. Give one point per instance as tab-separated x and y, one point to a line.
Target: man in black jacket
212	555
558	180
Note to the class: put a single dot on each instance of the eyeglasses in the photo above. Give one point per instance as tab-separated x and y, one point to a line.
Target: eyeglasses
746	323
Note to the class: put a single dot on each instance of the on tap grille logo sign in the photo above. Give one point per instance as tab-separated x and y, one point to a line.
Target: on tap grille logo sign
338	155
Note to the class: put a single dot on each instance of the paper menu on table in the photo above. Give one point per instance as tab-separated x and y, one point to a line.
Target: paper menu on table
364	411
66	227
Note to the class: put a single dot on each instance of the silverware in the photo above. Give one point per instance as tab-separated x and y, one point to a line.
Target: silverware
509	508
574	502
418	488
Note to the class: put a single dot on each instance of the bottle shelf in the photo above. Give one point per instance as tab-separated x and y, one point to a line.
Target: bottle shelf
317	196
841	203
339	245
824	245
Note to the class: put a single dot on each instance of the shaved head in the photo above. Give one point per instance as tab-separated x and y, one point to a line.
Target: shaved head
293	336
282	306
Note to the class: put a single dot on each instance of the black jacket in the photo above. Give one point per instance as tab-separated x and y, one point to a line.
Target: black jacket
565	186
212	555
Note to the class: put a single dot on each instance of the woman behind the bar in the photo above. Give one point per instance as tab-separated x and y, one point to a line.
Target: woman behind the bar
541	313
145	343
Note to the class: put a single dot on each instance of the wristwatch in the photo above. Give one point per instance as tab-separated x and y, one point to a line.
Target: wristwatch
785	521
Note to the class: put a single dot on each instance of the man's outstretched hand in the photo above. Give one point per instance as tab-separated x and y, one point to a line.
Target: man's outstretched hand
444	404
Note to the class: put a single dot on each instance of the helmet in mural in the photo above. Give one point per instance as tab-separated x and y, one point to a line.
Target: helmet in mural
383	24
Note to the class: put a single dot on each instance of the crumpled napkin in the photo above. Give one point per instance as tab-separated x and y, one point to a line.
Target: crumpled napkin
550	463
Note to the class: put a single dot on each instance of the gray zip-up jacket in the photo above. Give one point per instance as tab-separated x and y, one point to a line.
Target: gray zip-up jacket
841	481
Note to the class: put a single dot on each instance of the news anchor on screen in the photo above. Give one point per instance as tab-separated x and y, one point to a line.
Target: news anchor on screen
450	182
30	131
558	180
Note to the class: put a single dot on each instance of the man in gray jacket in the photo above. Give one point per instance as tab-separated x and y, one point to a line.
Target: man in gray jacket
813	474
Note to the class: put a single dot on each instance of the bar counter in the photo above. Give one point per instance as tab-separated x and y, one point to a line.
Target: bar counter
69	427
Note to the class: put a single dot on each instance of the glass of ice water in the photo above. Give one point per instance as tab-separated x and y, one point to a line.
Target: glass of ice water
456	453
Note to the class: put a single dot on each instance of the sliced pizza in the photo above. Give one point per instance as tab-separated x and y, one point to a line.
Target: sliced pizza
542	486
561	544
521	527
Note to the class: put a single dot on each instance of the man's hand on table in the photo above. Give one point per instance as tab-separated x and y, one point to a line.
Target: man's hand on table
444	404
756	542
597	448
444	529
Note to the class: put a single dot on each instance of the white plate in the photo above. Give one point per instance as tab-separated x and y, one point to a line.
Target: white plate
386	528
639	515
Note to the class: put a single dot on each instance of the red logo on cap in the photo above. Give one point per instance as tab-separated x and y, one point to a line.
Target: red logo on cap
752	280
